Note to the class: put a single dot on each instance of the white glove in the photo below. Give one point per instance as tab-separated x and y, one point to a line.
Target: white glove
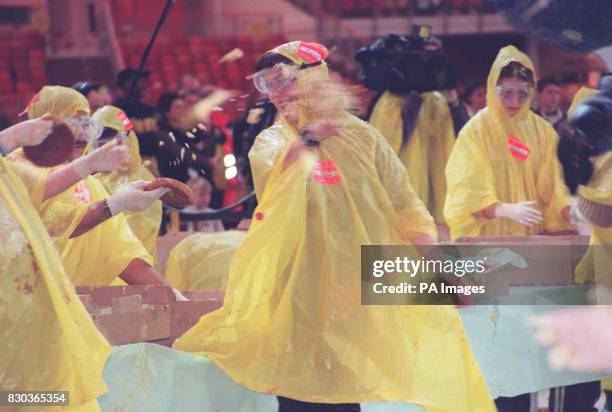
110	157
179	296
28	133
133	198
520	212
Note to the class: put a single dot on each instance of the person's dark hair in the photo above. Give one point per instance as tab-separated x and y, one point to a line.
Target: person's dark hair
547	81
471	88
165	101
605	82
187	92
270	60
517	71
86	87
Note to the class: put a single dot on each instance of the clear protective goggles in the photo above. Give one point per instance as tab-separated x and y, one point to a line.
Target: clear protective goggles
275	79
88	127
109	134
507	94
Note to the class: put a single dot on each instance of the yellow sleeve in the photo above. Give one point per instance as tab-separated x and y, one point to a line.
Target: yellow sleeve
414	217
61	216
34	179
599	187
470	186
554	194
387	119
263	155
440	146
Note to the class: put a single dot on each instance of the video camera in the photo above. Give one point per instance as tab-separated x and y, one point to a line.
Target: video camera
588	134
402	64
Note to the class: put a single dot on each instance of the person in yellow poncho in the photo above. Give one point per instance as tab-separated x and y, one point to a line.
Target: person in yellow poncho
145	225
595	203
292	323
202	260
503	175
426	149
48	340
94	240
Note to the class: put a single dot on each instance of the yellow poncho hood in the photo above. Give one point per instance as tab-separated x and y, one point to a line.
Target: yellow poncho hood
506	56
58	101
581	96
115	118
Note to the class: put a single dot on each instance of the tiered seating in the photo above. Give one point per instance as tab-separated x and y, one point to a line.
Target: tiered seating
170	59
22	69
366	8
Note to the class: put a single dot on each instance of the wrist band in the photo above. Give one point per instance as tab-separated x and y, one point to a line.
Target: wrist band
106	205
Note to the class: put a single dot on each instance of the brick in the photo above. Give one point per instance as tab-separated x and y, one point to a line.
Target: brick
123	304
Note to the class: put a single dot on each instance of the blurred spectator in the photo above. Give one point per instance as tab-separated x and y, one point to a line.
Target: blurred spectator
191	97
188	82
142	115
549	101
97	94
180	149
475	97
4	122
202	190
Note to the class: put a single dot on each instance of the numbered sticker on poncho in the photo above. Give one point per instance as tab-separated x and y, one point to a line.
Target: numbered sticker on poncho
312	52
518	149
125	121
326	173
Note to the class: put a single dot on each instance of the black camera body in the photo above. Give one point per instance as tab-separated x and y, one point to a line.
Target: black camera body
587	134
592	122
401	64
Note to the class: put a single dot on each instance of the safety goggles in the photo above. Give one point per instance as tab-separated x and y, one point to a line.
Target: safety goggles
90	128
109	134
275	79
507	94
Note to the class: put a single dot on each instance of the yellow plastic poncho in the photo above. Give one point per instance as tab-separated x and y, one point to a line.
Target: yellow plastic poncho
100	255
202	260
145	225
596	263
292	323
48	340
426	152
482	171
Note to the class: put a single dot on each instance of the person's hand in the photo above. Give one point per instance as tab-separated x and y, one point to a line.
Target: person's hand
521	212
27	133
133	198
579	338
321	130
108	158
